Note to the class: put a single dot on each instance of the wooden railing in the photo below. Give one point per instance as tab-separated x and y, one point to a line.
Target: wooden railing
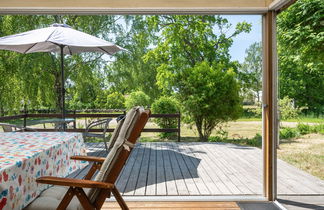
75	115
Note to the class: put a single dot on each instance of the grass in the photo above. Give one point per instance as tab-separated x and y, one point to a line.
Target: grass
300	119
306	153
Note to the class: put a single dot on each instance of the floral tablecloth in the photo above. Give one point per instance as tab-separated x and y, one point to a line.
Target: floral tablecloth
29	155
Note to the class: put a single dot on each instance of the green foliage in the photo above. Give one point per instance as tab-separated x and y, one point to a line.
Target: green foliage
137	98
193	62
129	72
166	105
301	53
304	128
115	100
250	72
256	141
287	109
288	133
301	129
209	96
307	129
252	111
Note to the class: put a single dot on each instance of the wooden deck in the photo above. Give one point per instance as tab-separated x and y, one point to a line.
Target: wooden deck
174	205
181	169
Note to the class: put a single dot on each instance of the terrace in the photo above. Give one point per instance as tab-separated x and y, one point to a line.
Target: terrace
190	171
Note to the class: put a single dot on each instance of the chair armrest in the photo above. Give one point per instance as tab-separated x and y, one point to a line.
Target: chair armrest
88	158
74	182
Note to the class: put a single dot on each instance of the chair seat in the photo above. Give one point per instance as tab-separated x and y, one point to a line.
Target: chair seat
51	198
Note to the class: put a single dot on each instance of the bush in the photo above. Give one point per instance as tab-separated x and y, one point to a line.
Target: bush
304	129
221	136
288	133
256	141
166	105
137	98
287	109
252	111
307	129
115	100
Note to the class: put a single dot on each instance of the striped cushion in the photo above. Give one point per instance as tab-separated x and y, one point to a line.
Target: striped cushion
124	134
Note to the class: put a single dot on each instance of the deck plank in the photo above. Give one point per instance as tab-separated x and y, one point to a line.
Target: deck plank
132	180
160	173
124	176
143	177
196	168
169	176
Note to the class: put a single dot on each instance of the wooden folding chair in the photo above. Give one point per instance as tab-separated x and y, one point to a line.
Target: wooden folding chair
85	193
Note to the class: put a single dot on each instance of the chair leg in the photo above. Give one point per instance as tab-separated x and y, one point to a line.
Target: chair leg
66	199
84	200
119	199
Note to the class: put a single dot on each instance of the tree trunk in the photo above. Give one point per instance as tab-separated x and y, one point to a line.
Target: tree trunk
202	136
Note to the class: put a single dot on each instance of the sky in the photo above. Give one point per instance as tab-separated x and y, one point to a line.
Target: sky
244	40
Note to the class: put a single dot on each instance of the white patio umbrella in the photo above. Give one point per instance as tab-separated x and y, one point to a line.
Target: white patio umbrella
59	38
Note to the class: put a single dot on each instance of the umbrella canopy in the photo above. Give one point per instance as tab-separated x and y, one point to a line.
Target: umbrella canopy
51	39
59	38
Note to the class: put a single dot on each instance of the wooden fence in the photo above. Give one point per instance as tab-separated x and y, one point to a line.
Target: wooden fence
75	116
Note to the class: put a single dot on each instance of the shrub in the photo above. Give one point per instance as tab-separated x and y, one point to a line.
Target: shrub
305	129
221	136
166	105
287	109
115	100
256	141
252	111
137	98
288	133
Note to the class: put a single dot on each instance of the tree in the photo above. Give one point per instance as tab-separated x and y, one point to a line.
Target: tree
210	96
193	63
301	53
137	98
115	100
250	73
129	72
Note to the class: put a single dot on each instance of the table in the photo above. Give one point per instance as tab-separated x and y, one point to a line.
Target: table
57	121
25	156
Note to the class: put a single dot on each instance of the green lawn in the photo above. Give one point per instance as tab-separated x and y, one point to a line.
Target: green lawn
306	153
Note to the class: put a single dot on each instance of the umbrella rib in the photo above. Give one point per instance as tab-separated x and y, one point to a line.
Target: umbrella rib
50	36
69	49
104	50
30	48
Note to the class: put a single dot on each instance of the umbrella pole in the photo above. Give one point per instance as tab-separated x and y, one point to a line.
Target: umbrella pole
63	89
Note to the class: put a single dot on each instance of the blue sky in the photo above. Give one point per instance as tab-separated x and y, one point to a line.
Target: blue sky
244	40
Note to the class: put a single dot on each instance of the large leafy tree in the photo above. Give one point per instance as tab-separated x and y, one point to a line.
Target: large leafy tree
129	72
193	62
301	53
250	72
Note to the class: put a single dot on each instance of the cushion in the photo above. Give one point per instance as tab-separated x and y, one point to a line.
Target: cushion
124	133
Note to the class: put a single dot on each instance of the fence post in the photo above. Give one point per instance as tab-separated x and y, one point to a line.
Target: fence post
74	122
179	127
25	116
